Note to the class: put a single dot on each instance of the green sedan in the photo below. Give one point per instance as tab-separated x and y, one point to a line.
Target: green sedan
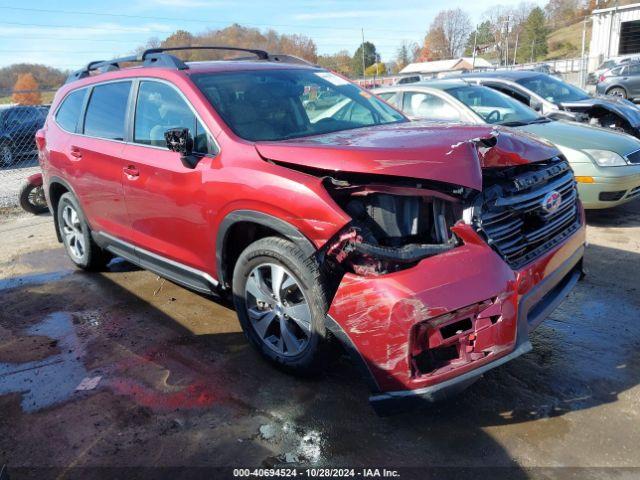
606	163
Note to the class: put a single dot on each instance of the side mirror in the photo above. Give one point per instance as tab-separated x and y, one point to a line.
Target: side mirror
180	140
535	104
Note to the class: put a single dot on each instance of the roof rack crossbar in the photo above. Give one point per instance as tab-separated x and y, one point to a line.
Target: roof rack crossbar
261	54
156	57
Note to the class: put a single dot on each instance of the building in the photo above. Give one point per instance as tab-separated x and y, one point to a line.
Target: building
616	31
440	66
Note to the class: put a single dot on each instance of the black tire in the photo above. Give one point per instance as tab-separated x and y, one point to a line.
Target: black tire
280	252
7	155
90	256
32	198
617	92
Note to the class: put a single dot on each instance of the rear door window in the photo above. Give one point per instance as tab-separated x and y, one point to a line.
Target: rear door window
160	108
107	111
69	112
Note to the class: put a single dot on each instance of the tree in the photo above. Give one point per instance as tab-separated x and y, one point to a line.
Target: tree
562	12
482	37
447	34
25	91
403	56
370	57
339	62
376	69
533	40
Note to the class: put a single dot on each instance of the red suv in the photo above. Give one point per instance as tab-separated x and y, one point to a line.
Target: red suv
430	251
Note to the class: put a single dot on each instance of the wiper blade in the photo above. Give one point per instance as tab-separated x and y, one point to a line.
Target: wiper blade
517	123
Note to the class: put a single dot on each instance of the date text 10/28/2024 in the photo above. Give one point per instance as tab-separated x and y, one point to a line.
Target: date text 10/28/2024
316	472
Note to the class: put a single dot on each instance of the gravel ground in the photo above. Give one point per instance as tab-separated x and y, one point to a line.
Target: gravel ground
122	369
11	179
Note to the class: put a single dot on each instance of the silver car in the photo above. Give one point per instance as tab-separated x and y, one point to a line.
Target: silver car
606	162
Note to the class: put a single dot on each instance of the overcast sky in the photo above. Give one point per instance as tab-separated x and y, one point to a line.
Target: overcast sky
69	33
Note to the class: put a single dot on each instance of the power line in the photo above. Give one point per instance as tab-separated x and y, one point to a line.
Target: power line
193	20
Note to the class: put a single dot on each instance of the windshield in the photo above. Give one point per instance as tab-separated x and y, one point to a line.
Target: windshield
282	104
494	107
553	90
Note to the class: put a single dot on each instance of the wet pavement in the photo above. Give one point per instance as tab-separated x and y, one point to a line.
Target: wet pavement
121	368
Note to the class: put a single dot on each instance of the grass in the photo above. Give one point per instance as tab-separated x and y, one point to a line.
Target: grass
566	42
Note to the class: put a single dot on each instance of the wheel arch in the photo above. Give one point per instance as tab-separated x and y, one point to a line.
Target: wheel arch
242	227
616	85
55	189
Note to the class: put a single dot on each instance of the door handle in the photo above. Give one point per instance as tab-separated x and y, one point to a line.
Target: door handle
76	153
131	172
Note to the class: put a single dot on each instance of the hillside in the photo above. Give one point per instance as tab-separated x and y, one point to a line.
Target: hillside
566	42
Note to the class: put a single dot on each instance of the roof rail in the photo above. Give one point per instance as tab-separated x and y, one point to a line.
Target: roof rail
156	57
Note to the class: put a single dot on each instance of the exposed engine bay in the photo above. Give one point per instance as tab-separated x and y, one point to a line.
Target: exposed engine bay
393	226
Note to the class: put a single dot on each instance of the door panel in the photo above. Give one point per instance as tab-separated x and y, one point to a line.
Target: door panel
96	159
167	207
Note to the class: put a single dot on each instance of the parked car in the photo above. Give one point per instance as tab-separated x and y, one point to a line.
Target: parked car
622	81
430	252
551	96
606	163
609	64
18	126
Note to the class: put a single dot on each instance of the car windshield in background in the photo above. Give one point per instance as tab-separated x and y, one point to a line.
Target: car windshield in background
282	104
553	90
494	107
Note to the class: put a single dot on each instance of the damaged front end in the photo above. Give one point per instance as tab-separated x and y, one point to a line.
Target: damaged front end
605	111
431	283
393	226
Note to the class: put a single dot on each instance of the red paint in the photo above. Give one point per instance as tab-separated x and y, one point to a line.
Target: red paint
193	396
176	211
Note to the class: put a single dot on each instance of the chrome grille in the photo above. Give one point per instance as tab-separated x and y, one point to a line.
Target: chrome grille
514	221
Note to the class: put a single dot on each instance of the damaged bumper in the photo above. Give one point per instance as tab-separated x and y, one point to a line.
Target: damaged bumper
426	333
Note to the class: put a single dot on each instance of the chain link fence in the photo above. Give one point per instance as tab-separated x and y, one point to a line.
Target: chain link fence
19	123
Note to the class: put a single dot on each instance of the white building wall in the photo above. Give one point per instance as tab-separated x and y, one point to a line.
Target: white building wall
605	36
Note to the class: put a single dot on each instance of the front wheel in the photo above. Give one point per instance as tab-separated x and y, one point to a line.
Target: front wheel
32	198
6	155
281	304
617	92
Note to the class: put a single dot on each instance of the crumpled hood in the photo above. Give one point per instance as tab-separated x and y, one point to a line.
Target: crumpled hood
621	106
453	154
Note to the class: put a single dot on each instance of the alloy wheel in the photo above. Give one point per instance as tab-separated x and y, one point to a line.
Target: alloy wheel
37	198
278	309
6	155
73	234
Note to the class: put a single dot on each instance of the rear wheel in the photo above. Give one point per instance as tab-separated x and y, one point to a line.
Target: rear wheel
617	92
76	236
281	304
32	198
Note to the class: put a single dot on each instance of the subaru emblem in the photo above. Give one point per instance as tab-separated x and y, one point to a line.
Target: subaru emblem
551	201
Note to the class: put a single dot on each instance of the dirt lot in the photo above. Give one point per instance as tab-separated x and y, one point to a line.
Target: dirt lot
177	384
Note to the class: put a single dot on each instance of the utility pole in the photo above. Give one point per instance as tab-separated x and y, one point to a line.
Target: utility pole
475	44
582	60
515	50
364	75
533	42
506	56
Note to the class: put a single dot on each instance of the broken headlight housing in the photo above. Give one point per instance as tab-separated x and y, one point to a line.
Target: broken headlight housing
393	227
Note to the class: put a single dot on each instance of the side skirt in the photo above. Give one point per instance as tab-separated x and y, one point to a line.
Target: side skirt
176	272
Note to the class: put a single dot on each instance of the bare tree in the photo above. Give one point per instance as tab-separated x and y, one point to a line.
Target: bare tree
448	34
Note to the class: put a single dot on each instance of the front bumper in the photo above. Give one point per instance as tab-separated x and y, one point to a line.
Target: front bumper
390	321
617	191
